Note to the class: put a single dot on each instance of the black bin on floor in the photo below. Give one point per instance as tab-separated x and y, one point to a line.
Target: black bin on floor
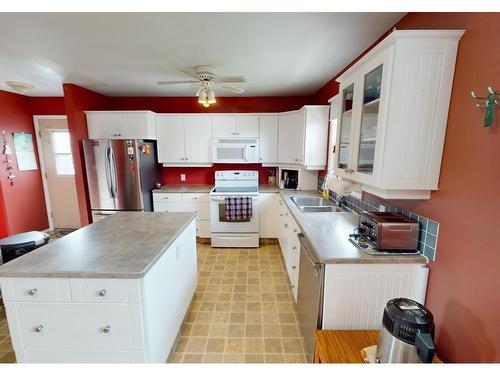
21	243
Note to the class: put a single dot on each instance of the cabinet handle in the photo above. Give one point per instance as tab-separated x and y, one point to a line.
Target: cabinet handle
293	286
281	214
286	214
33	291
165	198
186	159
106	329
296	159
38	328
294	248
102	293
295	231
286	225
195	198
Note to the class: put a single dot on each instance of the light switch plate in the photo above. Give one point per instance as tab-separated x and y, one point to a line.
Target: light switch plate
183	177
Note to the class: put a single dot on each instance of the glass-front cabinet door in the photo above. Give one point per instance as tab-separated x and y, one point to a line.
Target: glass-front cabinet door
344	133
369	119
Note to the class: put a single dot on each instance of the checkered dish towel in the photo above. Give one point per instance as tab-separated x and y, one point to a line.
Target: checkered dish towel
238	208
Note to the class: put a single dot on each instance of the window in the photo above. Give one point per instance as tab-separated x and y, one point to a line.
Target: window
62	153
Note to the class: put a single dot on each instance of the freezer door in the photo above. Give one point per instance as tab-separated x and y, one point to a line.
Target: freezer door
126	185
99	178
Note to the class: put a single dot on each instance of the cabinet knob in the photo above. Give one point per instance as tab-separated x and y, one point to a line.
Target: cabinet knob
295	231
186	159
296	159
102	293
286	225
293	267
294	248
281	214
195	198
38	328
33	291
293	286
106	329
165	198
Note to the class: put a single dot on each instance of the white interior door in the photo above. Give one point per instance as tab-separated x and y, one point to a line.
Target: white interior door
59	173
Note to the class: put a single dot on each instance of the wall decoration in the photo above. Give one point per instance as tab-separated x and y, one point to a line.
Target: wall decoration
25	152
490	101
6	151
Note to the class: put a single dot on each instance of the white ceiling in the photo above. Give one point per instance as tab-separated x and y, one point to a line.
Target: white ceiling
127	53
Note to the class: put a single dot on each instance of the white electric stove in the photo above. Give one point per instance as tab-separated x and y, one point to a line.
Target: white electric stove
229	233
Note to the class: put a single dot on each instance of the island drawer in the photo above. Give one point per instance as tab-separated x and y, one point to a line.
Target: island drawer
33	289
82	356
167	197
65	326
105	290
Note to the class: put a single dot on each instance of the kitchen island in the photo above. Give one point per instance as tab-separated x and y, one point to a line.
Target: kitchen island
114	291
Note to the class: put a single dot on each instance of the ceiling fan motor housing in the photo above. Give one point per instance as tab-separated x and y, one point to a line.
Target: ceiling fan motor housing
205	73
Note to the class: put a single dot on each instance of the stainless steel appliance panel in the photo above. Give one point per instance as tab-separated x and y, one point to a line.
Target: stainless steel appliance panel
309	295
125	174
99	174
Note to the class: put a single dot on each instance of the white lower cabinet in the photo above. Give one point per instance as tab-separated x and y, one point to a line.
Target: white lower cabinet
288	230
104	320
268	220
186	202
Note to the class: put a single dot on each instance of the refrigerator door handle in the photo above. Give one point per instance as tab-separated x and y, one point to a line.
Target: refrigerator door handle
114	175
107	167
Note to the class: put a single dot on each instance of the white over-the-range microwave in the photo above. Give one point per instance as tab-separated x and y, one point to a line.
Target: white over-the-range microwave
235	150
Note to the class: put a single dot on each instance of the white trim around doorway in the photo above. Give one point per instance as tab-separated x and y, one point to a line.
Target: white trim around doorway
43	171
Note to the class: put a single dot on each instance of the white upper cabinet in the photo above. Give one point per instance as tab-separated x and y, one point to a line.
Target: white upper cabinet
197	133
291	137
184	139
393	110
244	126
121	124
224	126
247	126
268	139
303	137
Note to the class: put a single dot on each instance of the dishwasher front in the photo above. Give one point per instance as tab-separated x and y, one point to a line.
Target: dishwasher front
309	295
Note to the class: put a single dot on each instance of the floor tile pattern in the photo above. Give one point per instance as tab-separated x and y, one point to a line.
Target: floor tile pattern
243	310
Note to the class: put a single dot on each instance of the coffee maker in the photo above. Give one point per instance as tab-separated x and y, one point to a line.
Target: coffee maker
407	334
289	178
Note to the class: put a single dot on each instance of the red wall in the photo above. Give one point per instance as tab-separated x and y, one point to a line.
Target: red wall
23	204
76	100
464	281
47	105
200	175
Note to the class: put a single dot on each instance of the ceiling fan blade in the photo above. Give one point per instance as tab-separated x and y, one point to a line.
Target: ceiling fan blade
176	82
230	88
231	79
190	73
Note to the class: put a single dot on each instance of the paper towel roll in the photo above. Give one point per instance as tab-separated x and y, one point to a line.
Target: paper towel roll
342	187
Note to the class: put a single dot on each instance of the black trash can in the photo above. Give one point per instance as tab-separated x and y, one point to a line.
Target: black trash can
21	243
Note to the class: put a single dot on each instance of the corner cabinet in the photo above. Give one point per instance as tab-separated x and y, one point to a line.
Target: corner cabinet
303	137
121	124
393	111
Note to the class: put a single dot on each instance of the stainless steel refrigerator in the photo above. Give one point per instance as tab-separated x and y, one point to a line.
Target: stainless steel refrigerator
120	175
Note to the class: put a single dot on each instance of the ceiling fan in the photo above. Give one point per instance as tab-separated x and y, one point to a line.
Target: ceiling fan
207	78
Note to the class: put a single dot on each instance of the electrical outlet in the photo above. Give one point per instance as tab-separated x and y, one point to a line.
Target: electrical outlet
183	177
381	208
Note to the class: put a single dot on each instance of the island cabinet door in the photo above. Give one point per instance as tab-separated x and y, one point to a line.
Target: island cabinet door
187	261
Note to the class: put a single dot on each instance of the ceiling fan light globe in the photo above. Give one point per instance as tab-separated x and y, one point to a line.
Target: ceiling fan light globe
206	104
211	96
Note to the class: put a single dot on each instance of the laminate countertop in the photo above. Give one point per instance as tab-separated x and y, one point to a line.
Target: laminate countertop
184	188
124	245
328	234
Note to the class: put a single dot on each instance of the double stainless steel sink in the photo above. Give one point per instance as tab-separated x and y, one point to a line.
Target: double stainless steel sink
316	204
